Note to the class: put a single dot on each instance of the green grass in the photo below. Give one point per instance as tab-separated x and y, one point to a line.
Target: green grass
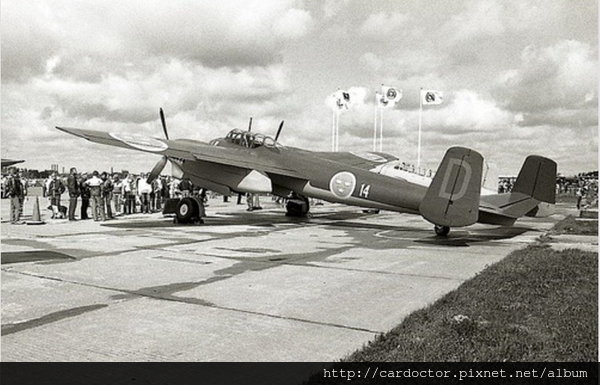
571	225
535	305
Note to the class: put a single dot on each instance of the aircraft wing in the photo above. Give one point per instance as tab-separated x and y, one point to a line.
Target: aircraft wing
10	162
133	142
243	159
362	160
188	150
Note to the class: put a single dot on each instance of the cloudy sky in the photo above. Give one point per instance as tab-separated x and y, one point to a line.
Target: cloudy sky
519	77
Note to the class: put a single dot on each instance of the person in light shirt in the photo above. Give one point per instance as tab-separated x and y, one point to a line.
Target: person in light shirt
144	189
95	183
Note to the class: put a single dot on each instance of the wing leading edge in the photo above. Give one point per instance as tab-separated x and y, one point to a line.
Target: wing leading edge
188	150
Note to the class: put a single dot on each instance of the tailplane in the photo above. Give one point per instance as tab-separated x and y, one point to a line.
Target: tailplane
533	194
452	199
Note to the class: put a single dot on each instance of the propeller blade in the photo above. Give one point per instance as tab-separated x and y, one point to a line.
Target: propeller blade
279	130
250	125
164	124
157	169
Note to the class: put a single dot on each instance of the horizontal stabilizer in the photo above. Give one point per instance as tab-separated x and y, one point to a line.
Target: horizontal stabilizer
532	195
452	199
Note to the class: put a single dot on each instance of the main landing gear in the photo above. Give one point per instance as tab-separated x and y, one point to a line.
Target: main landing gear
298	206
441	231
186	210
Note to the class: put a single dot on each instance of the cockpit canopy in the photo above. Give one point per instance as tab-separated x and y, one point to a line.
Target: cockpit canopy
250	140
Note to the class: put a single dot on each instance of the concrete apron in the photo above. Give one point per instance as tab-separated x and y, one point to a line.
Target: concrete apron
244	287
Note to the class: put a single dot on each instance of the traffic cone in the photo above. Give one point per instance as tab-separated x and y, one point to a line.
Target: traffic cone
36	219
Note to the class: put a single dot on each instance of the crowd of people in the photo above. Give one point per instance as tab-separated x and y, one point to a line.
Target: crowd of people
105	195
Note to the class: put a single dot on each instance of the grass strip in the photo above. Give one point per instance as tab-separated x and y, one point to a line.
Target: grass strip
535	305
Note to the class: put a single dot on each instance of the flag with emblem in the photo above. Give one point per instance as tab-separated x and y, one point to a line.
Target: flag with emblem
390	95
429	97
339	100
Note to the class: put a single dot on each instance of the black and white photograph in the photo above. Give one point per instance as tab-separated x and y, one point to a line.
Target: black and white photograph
300	181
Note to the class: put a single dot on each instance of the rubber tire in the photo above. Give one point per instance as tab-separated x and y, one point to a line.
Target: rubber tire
293	208
441	231
187	209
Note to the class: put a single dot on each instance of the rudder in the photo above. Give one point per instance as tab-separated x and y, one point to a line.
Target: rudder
452	199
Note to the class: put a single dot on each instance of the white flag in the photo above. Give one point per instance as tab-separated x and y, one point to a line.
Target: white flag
432	97
339	100
391	94
381	100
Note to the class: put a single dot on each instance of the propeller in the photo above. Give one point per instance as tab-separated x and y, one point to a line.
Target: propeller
250	125
279	130
164	124
158	167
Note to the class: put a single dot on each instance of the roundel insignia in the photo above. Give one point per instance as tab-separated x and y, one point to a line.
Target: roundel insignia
141	142
342	184
391	93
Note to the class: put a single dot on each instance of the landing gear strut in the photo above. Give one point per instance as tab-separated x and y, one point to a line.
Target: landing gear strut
441	231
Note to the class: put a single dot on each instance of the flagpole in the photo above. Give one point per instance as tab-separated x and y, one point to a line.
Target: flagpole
375	130
420	114
337	129
381	130
333	131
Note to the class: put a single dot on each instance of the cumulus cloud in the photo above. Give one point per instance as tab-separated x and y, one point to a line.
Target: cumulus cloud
134	97
479	19
383	25
229	33
110	65
331	8
563	75
469	112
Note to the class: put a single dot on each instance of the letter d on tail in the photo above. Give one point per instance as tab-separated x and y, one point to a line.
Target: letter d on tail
452	199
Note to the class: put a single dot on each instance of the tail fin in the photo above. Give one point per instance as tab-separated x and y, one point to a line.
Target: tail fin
537	179
452	199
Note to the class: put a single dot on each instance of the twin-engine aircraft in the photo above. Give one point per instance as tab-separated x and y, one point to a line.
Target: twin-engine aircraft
247	162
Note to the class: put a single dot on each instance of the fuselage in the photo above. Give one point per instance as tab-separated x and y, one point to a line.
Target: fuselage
315	175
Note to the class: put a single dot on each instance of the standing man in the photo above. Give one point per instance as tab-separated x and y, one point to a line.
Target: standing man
85	196
116	194
74	191
95	184
25	185
186	187
127	193
56	189
107	190
14	191
157	189
144	190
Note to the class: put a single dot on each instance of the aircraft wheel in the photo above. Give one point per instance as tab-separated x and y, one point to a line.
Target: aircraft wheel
442	231
186	210
298	206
